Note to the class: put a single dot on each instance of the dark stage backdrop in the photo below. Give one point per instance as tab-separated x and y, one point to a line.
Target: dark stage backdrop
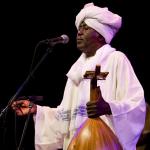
24	24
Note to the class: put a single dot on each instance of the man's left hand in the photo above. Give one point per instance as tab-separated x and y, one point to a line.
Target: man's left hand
98	108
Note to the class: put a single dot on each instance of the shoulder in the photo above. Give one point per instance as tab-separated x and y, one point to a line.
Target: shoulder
119	56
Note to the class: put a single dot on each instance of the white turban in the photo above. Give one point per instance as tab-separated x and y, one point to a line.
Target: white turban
101	19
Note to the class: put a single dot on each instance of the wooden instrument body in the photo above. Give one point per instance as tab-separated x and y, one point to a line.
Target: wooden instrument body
94	134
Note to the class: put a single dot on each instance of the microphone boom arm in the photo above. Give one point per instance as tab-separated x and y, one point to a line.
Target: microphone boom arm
49	50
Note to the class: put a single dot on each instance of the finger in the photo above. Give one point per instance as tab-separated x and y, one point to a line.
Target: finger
19	105
14	105
91	111
93	115
91	103
17	102
92	107
23	103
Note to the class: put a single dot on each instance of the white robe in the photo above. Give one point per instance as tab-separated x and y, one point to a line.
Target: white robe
54	127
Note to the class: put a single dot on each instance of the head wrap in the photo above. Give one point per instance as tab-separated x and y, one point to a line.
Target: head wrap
101	19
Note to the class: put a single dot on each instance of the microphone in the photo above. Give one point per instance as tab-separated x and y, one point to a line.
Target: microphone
63	39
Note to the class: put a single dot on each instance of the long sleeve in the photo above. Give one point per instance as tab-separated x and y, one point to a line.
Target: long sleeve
128	109
47	135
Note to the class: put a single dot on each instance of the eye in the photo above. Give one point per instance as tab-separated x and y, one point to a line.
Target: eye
86	28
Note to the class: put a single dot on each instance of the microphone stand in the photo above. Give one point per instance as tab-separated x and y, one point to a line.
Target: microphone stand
25	126
4	111
49	50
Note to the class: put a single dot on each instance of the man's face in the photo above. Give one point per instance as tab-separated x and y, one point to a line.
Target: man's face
87	37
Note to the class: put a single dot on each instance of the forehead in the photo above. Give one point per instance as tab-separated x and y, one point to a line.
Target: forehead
83	24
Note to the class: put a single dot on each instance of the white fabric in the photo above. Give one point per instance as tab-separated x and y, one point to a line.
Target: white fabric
121	89
101	19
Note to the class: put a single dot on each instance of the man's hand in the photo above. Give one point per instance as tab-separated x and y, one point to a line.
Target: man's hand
22	107
98	108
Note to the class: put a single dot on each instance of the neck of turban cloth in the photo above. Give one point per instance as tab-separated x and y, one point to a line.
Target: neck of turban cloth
102	20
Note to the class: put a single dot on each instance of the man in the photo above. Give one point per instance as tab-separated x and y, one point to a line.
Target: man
122	106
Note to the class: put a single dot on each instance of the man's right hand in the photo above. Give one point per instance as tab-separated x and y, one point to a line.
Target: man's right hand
22	107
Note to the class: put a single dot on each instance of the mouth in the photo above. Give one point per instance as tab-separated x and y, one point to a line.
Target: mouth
79	40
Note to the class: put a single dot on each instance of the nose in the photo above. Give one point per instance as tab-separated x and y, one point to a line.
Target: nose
80	31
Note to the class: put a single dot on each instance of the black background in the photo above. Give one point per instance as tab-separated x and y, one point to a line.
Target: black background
24	24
